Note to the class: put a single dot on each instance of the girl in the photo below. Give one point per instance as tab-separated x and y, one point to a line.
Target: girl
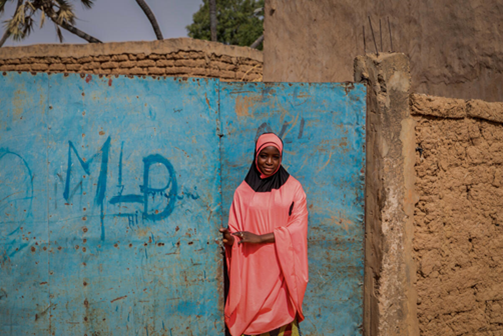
266	247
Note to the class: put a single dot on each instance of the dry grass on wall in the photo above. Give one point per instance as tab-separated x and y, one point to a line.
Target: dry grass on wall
458	240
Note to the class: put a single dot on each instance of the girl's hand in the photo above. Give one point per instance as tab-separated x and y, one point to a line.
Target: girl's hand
228	239
248	237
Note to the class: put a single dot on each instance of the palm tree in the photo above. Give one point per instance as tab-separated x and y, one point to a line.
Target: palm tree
213	20
151	17
60	12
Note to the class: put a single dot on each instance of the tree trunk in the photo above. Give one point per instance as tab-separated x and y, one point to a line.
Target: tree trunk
213	19
73	29
7	32
257	41
4	37
150	15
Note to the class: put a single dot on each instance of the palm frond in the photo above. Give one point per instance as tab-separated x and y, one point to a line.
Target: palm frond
65	12
20	31
60	12
21	24
87	3
67	16
2	5
30	5
42	19
61	3
19	15
18	19
28	26
60	34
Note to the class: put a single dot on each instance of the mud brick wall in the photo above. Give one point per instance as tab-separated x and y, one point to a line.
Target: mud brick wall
458	221
172	57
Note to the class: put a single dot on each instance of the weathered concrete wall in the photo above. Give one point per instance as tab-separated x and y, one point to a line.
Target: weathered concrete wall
172	57
390	298
455	47
458	221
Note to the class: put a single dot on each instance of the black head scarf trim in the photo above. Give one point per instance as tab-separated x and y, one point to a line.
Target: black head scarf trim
274	181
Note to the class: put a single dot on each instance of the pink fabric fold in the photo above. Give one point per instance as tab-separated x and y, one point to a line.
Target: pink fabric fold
267	281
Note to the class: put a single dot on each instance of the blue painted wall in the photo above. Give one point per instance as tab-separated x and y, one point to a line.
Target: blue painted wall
111	192
109	204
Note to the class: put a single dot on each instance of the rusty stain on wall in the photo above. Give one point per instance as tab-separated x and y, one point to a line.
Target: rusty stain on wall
243	105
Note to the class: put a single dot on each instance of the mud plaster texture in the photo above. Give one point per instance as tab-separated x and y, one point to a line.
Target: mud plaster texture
389	292
455	47
458	221
171	57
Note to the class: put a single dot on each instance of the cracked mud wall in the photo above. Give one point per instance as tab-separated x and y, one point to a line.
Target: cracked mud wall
170	57
458	221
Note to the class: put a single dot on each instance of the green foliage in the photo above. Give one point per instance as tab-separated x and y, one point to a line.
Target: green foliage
237	22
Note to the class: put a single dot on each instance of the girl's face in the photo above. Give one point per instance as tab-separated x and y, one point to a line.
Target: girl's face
268	160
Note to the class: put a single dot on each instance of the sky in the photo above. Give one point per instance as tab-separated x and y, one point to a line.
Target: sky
114	21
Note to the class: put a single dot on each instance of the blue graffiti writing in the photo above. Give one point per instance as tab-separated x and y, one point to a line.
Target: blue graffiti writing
168	191
102	179
131	217
14	168
189	194
158	192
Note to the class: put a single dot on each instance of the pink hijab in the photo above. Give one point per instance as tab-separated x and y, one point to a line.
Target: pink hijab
266	140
